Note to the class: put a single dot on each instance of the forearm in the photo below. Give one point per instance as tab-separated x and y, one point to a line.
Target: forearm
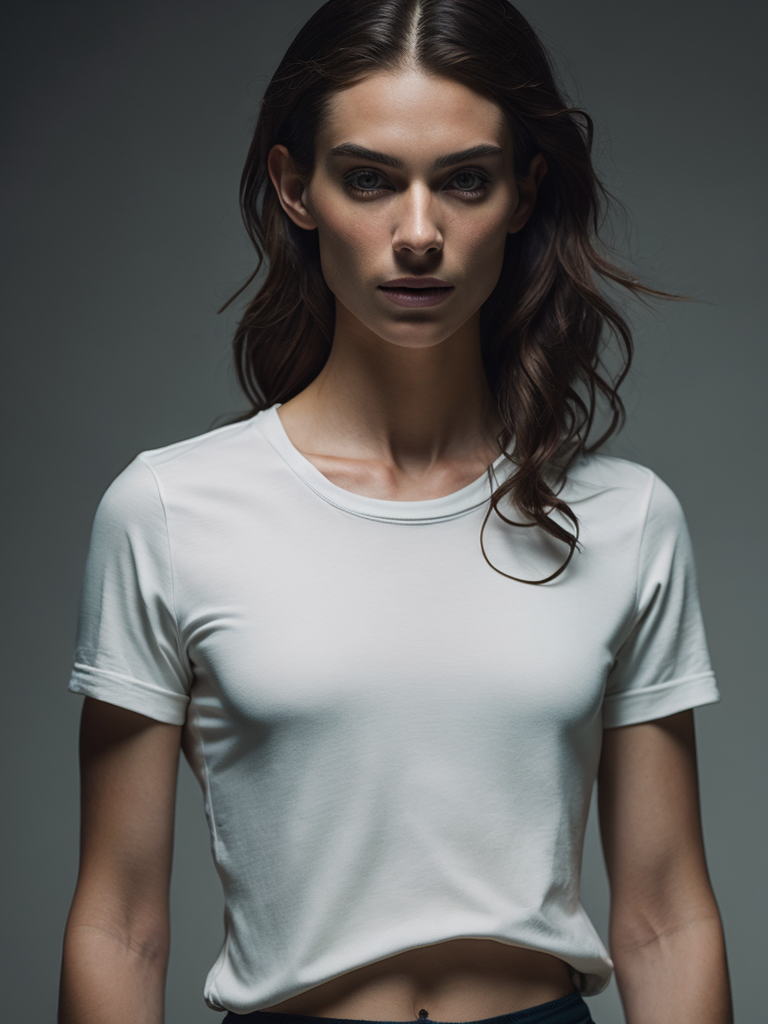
109	978
677	977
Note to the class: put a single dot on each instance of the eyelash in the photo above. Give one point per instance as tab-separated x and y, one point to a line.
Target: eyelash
472	193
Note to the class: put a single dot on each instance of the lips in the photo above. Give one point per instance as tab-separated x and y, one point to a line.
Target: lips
417	296
414	284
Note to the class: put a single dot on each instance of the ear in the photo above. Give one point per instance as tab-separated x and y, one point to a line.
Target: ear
527	192
290	187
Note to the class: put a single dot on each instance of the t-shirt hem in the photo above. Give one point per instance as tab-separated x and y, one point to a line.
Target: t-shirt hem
660	700
132	694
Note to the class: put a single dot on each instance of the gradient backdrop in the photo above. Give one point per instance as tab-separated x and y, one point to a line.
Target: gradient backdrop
126	128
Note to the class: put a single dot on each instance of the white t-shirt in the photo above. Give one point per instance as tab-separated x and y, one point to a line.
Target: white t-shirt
396	745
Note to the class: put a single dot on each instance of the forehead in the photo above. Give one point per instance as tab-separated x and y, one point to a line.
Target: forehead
412	110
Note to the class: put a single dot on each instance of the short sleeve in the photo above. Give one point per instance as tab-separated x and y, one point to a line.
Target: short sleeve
128	651
663	665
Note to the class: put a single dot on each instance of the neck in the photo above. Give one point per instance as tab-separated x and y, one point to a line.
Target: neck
407	407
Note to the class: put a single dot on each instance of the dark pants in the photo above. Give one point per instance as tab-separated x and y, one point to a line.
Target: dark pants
570	1009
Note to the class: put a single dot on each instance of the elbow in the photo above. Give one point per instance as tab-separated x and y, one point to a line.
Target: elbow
140	928
635	924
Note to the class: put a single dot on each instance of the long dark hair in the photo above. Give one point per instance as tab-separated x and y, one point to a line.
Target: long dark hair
542	325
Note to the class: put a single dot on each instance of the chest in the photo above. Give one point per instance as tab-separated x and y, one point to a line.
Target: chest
310	620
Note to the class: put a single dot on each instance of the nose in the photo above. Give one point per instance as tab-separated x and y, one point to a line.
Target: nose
415	228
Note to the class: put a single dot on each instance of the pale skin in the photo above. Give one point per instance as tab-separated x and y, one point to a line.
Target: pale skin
402	411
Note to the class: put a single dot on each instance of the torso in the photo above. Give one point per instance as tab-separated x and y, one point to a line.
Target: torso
463	979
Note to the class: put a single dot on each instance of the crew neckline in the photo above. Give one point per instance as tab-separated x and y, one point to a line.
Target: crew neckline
426	510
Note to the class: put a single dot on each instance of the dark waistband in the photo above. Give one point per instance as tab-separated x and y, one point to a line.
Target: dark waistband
570	1009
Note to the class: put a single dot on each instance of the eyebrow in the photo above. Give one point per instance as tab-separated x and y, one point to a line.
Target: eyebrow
351	149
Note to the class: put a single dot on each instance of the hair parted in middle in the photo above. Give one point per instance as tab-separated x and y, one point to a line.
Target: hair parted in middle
542	326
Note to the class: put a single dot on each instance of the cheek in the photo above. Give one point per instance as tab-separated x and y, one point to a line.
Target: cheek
479	243
351	246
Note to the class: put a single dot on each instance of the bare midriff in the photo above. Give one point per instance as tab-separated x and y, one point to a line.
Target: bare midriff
458	980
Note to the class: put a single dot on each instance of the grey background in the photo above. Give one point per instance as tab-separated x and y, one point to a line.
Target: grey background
126	128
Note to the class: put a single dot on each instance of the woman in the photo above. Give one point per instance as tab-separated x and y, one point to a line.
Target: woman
400	616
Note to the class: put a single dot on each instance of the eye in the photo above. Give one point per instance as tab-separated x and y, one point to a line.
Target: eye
478	189
366	173
366	186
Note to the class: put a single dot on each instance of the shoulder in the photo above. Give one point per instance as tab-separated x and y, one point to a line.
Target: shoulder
625	497
217	447
203	459
138	499
597	474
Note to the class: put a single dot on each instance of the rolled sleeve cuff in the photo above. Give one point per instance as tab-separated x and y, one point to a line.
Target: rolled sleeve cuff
132	694
657	701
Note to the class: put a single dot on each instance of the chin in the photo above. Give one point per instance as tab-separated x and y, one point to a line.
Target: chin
415	341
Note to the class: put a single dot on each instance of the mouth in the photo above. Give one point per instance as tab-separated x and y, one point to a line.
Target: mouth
418	282
416	288
406	295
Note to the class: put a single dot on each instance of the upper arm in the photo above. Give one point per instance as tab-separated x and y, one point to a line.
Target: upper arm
650	825
128	768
